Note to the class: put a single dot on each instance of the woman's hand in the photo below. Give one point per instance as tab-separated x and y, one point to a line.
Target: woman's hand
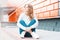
28	29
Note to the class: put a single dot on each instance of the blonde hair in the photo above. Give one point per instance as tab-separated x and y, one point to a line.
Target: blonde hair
30	11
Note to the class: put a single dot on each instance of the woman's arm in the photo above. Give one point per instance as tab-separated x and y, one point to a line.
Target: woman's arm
35	24
19	24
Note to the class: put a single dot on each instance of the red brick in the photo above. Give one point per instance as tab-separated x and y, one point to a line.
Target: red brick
46	2
50	7
59	12
37	11
46	14
53	1
56	6
43	9
41	15
59	4
54	13
37	15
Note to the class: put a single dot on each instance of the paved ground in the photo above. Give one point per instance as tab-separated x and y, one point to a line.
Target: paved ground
13	34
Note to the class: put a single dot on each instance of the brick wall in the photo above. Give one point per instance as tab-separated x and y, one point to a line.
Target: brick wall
44	9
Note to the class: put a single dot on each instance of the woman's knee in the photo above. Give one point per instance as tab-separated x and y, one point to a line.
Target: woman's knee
20	30
33	29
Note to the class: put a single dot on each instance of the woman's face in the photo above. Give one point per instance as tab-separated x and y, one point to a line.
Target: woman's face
28	9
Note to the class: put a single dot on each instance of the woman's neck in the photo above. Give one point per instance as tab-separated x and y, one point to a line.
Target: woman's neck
28	14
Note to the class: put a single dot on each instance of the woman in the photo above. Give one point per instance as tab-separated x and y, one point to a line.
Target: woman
27	22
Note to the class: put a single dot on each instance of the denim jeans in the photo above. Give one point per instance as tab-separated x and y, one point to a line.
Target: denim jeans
32	22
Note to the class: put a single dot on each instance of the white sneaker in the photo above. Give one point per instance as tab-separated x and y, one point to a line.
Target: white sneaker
34	35
22	34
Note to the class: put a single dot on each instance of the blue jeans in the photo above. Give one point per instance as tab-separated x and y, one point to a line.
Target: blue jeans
26	34
32	22
21	30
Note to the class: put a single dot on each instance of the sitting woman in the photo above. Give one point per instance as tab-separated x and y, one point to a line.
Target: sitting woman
27	22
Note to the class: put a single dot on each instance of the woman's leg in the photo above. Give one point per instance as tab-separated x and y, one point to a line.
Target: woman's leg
33	29
22	32
28	33
33	33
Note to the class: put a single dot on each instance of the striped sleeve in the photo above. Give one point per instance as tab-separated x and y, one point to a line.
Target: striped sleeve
18	24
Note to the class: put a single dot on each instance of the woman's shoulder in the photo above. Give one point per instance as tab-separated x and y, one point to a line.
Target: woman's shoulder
22	14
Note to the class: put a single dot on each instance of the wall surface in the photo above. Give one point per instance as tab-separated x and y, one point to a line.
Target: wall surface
49	24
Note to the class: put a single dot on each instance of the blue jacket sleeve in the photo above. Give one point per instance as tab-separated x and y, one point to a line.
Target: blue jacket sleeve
23	23
32	22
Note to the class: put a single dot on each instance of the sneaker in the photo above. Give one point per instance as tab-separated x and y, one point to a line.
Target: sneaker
34	35
22	34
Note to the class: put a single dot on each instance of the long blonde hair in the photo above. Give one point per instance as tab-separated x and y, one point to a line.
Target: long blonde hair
30	11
